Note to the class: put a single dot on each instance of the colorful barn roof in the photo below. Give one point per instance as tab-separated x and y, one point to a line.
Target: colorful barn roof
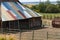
15	11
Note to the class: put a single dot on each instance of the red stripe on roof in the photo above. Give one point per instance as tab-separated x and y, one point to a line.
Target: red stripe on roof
11	14
22	14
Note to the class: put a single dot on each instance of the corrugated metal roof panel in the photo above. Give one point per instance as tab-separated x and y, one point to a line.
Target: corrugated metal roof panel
15	11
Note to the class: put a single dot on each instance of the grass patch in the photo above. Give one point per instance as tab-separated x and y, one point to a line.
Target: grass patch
50	15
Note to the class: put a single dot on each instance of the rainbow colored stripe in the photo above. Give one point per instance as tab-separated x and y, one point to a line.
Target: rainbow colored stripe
15	11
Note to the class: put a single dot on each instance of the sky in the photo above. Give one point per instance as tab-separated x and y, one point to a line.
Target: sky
34	0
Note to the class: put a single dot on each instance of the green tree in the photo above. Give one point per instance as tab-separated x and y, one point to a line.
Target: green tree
35	8
47	7
42	7
47	2
52	9
58	3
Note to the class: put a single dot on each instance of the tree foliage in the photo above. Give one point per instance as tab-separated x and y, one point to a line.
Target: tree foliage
52	9
47	7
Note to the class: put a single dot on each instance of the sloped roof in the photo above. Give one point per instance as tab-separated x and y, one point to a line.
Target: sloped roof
15	11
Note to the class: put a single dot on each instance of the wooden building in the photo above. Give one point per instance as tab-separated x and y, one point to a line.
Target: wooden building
14	15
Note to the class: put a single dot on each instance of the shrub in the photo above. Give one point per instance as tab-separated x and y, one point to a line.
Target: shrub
11	39
2	38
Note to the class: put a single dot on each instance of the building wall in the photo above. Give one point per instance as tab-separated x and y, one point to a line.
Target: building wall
17	24
23	24
35	22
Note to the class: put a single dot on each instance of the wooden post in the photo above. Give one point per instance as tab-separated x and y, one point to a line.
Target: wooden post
1	27
19	29
47	35
33	35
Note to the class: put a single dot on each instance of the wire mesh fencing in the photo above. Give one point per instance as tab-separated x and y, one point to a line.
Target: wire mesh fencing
16	34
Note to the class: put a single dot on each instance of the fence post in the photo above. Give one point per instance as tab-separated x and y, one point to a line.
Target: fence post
19	30
20	35
33	35
47	35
